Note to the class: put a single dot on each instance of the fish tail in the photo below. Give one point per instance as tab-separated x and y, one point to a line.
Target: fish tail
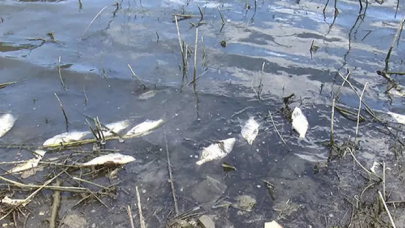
199	162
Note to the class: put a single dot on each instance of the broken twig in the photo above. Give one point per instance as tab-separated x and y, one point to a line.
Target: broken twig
141	219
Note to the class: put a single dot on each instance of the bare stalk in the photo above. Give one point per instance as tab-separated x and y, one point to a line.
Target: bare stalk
399	29
181	46
358	113
91	22
222	16
55	207
141	218
343	83
195	56
332	118
169	167
60	74
136	76
131	220
386	209
383	180
275	128
63	111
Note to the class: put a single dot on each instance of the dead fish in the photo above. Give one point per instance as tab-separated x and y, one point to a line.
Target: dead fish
144	128
312	157
272	224
147	95
250	130
398	117
110	159
216	151
115	127
299	122
66	137
6	123
32	163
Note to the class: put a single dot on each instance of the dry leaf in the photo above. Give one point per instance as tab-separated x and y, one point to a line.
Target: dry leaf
6	123
250	130
110	159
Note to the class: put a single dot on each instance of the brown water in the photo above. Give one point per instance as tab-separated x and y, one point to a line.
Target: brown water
279	34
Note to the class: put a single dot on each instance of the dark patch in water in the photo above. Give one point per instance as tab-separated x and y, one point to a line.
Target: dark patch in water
10	47
307	35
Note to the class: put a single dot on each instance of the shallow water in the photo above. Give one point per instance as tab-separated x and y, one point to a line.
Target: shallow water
279	34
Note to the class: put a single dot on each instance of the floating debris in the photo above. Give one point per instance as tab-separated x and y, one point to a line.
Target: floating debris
110	159
244	203
144	128
208	191
299	122
66	137
6	123
216	151
32	163
250	130
374	166
272	224
285	209
13	202
398	117
206	221
115	127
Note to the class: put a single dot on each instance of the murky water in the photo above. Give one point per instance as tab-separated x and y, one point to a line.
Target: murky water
268	43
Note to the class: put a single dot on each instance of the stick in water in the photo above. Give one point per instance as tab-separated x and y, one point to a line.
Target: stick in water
133	74
131	220
63	111
91	22
141	219
60	73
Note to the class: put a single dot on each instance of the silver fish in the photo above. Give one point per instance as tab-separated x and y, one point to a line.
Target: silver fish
114	158
6	123
144	128
250	130
66	137
216	151
115	127
299	122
